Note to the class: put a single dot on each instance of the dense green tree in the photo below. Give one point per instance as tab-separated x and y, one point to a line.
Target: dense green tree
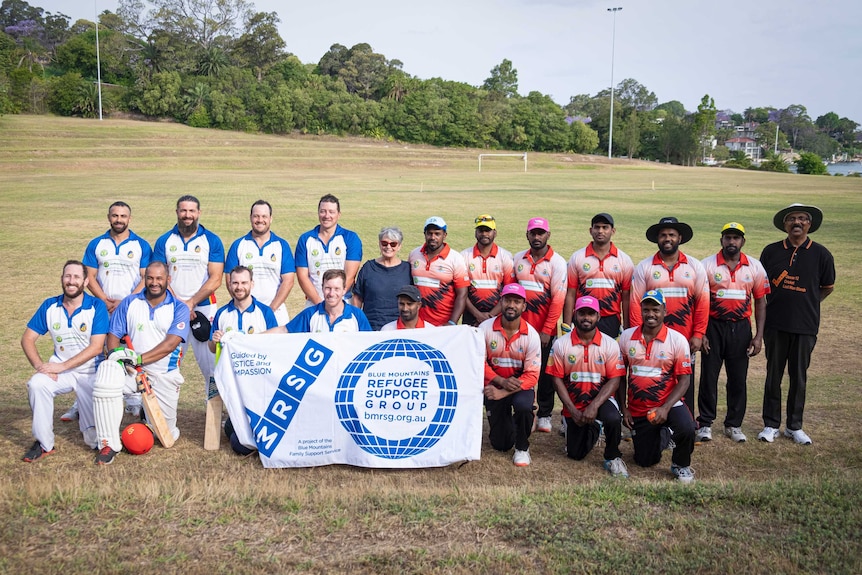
260	46
674	108
158	95
631	94
582	139
810	163
66	93
503	80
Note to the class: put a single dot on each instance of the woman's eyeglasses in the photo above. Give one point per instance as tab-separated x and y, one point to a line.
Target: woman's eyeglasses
385	244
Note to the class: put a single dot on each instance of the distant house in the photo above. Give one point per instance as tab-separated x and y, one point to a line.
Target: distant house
747	145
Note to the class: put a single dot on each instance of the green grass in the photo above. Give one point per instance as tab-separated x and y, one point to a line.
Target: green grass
755	508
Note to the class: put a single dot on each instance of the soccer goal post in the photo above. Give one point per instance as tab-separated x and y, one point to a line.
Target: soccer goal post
523	155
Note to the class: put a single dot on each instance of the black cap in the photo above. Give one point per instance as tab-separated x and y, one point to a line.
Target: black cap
602	218
200	327
410	292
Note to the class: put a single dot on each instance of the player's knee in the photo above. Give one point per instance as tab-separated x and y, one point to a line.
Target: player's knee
109	380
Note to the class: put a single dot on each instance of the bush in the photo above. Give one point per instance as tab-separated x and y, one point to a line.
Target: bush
810	163
66	94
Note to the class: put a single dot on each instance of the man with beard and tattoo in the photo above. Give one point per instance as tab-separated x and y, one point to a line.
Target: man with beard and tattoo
587	367
78	325
195	258
681	280
115	268
512	365
602	271
490	267
542	274
409	304
441	276
734	279
659	371
801	274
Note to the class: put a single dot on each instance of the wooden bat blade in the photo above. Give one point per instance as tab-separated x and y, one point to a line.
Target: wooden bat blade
156	418
212	427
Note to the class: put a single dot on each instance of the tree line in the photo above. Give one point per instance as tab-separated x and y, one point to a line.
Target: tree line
221	64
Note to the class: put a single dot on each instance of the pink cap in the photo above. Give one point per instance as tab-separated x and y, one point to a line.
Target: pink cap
538	224
587	301
514	289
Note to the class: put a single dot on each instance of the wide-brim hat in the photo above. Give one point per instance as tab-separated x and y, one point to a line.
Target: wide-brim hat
813	211
671	222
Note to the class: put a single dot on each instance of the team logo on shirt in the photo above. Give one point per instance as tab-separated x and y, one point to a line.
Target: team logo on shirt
662	354
139	327
272	258
586	267
59	339
197	249
250	267
181	325
56	325
520	267
472	267
317	264
600	360
338	251
589	283
106	264
130	255
248	255
173	261
83	327
616	268
493	344
103	253
315	252
632	351
687	274
572	358
720	293
416	264
173	248
656	275
250	330
717	277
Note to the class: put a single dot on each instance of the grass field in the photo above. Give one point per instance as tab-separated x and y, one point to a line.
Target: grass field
755	508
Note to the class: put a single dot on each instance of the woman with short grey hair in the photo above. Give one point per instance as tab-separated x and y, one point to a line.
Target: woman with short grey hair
380	279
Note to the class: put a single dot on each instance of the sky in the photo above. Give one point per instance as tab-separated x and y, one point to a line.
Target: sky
742	53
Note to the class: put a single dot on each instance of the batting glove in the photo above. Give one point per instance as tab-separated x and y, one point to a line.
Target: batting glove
125	355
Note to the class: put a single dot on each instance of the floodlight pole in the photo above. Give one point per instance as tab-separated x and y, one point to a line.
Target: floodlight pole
98	59
613	42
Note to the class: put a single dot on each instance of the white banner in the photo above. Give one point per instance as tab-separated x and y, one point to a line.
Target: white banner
407	398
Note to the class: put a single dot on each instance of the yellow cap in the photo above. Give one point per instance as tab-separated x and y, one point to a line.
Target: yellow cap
733	227
486	220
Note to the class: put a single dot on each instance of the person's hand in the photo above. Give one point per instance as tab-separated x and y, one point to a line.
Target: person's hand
125	355
704	346
695	344
755	346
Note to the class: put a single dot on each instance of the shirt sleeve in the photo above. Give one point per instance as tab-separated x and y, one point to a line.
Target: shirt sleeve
216	248
90	254
117	326
146	252
637	291
180	323
269	317
231	259
159	249
532	361
101	319
701	295
288	266
39	322
300	256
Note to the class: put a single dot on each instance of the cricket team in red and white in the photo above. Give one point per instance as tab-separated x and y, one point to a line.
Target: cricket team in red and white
614	341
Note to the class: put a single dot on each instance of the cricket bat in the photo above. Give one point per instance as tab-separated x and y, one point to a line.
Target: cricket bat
155	417
215	405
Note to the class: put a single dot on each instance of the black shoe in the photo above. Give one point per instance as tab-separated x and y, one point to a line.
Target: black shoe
105	456
35	452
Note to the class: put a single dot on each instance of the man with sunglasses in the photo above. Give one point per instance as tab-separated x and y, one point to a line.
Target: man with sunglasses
801	274
490	267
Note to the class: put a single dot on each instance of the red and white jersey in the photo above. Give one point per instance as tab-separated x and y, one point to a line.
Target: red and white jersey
488	275
545	283
654	367
437	280
585	368
685	290
604	279
520	356
731	290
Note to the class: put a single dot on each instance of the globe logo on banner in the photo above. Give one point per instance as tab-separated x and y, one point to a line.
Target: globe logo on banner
397	398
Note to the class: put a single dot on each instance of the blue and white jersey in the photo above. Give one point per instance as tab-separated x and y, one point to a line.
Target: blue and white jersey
71	334
268	263
318	257
149	326
188	261
256	318
118	265
315	320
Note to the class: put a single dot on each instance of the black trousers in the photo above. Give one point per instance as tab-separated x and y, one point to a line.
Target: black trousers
610	325
545	390
793	351
728	342
646	438
580	440
511	420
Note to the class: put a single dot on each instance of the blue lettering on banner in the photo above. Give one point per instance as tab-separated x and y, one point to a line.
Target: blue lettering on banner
269	428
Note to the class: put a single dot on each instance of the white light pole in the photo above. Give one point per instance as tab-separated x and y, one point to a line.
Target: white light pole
613	42
98	59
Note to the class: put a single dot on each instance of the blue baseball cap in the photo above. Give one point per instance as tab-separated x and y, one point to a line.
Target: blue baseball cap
653	295
436	221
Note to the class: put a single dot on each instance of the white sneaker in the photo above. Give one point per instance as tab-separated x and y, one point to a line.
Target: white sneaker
72	414
616	467
768	434
522	458
735	434
682	474
563	425
703	434
798	436
544	425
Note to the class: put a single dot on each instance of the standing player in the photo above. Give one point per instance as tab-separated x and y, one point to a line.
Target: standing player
77	323
157	323
441	276
587	367
542	273
659	364
242	314
489	267
409	304
604	272
195	257
734	279
269	256
801	274
333	314
327	246
682	282
512	357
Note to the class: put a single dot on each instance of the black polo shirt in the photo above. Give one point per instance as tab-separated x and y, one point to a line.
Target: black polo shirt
796	276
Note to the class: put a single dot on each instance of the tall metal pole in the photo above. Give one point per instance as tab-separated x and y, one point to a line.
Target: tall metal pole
613	42
98	59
